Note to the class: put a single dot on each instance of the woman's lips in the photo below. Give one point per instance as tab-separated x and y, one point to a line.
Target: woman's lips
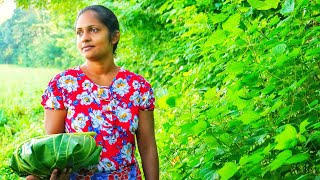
87	48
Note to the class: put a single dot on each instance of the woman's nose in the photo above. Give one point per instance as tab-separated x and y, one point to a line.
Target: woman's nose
85	37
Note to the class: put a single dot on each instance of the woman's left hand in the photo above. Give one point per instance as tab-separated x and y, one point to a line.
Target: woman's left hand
63	175
56	175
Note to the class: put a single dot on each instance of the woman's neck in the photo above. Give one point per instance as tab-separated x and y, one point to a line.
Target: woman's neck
99	68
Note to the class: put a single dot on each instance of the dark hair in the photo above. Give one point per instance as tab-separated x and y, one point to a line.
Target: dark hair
106	17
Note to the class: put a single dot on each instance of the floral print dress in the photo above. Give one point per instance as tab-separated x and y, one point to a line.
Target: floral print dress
110	111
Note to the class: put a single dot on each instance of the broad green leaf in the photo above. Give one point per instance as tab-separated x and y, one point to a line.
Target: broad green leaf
249	116
228	170
274	20
186	129
264	5
313	103
284	91
276	105
302	138
217	37
287	138
280	60
235	67
211	94
212	113
313	51
162	102
306	176
40	156
244	160
284	110
188	73
301	81
303	126
226	139
267	149
287	7
216	18
210	141
268	89
254	159
280	159
171	101
316	125
199	127
195	162
232	23
298	158
279	49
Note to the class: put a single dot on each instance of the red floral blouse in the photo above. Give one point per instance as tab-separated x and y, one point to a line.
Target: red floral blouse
110	111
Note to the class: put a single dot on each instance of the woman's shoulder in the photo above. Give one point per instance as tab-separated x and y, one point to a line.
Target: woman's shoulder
74	71
131	75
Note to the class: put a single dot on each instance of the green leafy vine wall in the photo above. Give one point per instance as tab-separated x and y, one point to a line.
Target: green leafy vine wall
237	82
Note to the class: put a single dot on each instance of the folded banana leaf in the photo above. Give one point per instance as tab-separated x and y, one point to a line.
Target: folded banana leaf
41	155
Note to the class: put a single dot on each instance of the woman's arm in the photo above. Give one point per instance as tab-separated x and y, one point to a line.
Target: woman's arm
147	145
54	121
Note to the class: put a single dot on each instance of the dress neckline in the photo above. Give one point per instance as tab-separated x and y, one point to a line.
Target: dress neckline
102	86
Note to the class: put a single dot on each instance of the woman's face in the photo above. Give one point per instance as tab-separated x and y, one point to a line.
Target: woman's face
93	39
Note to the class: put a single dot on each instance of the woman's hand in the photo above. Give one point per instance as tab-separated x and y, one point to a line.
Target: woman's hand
56	175
63	175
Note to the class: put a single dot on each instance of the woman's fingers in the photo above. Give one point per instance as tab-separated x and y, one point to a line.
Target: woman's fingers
54	174
63	175
32	177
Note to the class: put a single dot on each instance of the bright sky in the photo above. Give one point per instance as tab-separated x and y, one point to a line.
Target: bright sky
6	10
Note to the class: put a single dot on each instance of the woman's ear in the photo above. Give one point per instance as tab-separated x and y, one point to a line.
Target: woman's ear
115	37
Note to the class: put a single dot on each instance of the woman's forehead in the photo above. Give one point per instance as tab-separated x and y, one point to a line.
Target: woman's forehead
87	19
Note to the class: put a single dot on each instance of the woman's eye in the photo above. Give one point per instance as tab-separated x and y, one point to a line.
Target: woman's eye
94	30
79	33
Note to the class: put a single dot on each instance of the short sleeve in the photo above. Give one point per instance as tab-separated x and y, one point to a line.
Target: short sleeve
147	96
52	97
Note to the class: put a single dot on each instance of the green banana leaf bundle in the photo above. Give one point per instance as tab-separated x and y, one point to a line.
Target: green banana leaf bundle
41	155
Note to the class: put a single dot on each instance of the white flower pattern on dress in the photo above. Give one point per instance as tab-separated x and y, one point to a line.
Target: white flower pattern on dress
85	98
135	85
101	93
106	165
52	103
121	86
87	85
112	138
69	83
134	124
145	99
136	98
126	152
96	118
79	122
70	112
123	114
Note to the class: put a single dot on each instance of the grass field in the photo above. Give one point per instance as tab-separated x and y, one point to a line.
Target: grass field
21	114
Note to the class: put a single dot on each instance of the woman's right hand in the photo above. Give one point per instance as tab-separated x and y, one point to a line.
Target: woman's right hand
56	175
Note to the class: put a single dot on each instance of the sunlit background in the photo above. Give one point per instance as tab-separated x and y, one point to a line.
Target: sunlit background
6	9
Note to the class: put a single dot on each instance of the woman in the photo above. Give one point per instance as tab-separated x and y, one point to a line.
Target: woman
99	96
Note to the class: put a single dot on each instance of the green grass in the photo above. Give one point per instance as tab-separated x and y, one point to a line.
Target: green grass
21	114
